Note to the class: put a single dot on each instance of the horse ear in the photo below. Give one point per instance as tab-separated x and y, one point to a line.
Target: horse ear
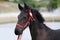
26	6
20	7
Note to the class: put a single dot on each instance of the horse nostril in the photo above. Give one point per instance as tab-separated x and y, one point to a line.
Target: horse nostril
18	31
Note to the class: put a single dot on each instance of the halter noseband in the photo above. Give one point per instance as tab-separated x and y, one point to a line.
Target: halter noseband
31	18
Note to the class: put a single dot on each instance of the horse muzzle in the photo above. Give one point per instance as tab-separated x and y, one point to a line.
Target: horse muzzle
18	31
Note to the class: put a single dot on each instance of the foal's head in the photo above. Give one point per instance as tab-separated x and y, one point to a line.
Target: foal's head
26	16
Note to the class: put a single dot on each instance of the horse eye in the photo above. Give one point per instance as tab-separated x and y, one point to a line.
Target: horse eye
24	17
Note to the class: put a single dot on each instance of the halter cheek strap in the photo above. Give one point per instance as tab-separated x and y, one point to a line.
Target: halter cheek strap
31	16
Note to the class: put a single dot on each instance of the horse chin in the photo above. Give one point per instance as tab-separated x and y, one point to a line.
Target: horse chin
18	31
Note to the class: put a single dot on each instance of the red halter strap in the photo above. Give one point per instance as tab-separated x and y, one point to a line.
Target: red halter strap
28	22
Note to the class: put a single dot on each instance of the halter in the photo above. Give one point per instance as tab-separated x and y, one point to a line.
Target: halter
31	18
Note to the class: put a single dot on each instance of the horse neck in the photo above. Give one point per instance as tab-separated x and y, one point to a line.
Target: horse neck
38	29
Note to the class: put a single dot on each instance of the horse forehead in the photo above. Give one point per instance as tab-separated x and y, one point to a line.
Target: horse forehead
22	14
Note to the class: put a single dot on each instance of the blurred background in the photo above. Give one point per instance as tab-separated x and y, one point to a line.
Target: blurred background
50	10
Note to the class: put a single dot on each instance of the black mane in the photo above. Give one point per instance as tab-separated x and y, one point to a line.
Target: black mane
38	15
